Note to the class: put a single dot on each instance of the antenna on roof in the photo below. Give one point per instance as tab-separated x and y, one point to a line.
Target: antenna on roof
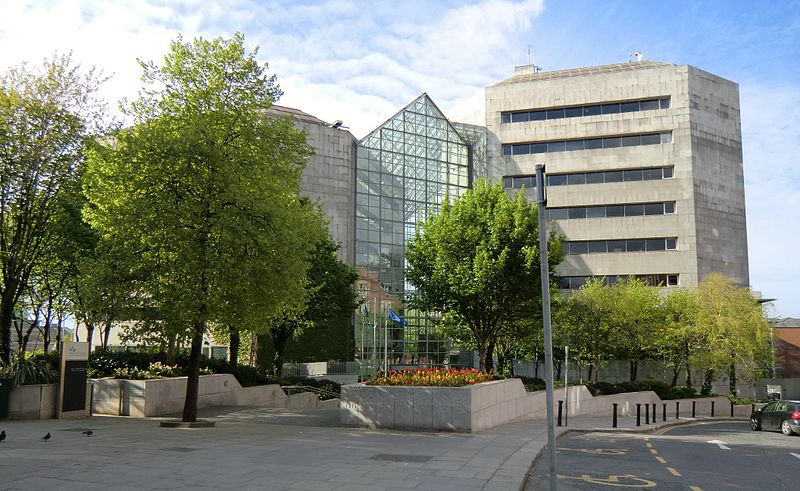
530	46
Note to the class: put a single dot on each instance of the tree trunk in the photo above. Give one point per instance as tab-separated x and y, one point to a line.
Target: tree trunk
489	361
107	333
675	373
235	342
6	316
171	342
89	334
589	375
193	379
708	379
536	365
634	369
278	361
732	380
688	376
482	356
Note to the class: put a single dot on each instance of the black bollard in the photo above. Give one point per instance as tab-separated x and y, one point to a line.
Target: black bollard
694	405
614	416
638	414
677	409
731	409
647	414
560	409
752	408
712	408
664	412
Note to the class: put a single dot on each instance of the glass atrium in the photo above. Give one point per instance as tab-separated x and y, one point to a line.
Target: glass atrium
403	169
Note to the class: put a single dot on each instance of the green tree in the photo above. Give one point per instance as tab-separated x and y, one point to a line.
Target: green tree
47	115
584	322
634	318
322	329
680	340
736	332
478	260
203	192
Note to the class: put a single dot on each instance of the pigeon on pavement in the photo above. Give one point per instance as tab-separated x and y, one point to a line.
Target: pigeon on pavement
3	436
87	432
46	437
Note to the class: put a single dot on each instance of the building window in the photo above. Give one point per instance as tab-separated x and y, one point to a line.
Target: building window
611	211
620	245
587	143
643	174
586	110
655	280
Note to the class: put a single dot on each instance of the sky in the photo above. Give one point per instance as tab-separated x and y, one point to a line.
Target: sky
362	61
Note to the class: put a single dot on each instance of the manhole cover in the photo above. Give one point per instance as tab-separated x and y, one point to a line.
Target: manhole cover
401	458
179	449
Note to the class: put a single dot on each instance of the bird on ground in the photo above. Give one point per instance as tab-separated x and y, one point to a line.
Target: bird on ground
3	436
87	432
46	438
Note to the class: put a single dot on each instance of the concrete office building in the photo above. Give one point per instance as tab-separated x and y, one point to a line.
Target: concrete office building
644	164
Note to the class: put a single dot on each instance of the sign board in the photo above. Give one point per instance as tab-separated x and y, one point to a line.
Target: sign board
72	388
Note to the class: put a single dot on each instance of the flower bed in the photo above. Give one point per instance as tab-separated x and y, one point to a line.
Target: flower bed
432	377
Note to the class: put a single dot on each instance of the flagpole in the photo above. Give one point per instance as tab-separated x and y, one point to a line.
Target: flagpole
374	334
386	342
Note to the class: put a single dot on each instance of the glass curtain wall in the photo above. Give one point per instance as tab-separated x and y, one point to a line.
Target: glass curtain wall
403	169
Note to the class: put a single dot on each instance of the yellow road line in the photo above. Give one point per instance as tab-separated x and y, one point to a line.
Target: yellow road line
649	445
695	488
653	451
674	472
661	459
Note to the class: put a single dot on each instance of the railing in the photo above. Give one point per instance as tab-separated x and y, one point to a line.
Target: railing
322	393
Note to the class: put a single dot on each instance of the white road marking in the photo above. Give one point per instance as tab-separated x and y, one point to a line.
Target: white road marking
795	454
720	444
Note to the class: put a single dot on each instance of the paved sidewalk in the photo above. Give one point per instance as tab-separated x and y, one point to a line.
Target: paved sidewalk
274	449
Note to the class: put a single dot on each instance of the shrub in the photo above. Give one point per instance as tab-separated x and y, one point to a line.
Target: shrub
432	377
31	371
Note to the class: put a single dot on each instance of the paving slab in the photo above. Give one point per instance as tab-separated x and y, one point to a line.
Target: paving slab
275	449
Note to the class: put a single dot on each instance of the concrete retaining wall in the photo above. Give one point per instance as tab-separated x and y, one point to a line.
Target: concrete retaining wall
477	407
160	397
37	401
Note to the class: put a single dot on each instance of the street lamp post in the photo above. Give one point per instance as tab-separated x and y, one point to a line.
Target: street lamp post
548	337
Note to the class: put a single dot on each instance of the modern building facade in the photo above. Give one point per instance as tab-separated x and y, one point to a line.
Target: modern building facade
643	163
644	178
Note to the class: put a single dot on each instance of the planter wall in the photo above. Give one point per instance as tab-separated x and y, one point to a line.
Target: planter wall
477	407
37	401
161	397
462	409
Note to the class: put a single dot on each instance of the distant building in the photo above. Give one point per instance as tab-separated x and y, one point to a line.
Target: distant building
787	346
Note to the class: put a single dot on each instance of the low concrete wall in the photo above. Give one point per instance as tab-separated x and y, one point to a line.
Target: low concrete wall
462	409
160	397
38	401
477	407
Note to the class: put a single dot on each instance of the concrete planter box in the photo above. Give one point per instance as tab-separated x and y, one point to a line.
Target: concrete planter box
461	409
477	407
37	401
161	397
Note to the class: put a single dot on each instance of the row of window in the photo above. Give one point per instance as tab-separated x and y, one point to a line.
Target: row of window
588	110
622	245
609	211
587	144
575	282
642	174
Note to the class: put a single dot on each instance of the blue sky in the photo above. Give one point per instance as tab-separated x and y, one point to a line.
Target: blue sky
362	61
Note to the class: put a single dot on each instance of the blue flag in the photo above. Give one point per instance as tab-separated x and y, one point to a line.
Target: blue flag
397	318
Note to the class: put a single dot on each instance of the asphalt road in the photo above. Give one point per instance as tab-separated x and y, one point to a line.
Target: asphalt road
707	457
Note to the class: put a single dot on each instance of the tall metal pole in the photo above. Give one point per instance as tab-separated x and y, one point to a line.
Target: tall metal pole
374	334
566	385
548	336
386	342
